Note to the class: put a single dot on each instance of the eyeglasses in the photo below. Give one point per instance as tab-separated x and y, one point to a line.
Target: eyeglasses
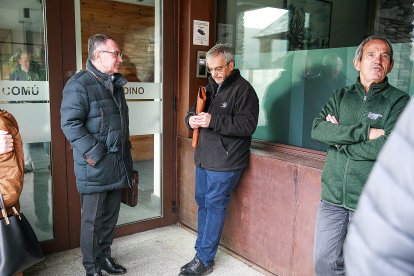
218	69
115	54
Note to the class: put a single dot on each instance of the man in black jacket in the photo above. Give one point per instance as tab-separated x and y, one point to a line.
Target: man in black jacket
226	126
94	119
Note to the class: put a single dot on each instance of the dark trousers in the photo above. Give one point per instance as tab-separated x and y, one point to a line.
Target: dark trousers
99	215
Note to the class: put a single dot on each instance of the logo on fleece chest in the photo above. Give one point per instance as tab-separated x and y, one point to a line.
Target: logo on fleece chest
374	116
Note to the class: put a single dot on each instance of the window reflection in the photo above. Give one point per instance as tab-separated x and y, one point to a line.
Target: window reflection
25	94
24	66
296	54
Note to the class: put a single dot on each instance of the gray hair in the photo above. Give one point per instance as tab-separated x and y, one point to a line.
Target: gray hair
358	52
222	49
95	41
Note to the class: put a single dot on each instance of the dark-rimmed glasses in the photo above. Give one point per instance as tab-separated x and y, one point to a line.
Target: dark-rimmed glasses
115	54
218	69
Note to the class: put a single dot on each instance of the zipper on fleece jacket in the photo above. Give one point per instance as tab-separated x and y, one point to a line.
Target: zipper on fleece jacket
345	180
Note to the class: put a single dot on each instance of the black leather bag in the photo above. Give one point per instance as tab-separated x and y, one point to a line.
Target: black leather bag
19	246
130	194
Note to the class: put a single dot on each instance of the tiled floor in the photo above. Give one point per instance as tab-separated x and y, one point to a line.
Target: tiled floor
158	252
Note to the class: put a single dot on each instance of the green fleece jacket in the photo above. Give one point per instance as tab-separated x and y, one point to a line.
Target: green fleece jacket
351	155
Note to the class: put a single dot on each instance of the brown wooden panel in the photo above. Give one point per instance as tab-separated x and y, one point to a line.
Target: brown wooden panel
55	27
188	83
261	214
142	147
309	189
187	211
133	28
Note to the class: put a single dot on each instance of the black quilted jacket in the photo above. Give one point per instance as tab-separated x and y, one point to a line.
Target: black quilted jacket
95	122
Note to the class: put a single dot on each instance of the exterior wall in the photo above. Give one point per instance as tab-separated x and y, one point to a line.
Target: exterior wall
187	54
271	215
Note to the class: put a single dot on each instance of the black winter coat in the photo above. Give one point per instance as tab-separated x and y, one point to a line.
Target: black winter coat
95	122
225	144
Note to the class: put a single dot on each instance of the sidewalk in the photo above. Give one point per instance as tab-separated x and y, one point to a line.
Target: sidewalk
157	252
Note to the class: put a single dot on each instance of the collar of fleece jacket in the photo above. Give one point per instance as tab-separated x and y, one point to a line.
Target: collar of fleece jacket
233	75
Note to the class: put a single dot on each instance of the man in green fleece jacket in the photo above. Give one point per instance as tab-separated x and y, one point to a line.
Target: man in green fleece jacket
355	124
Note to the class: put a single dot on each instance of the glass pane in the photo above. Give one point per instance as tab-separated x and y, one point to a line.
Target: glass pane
136	25
297	54
25	94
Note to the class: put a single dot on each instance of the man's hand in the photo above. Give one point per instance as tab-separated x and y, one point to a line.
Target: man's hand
332	119
193	122
200	120
6	142
374	133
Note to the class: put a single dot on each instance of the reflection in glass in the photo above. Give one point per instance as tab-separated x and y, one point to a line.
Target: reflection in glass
149	201
297	54
36	199
23	75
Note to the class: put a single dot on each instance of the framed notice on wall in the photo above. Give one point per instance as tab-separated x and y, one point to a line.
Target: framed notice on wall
200	32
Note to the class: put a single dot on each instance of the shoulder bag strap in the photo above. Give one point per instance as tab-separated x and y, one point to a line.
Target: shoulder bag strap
3	209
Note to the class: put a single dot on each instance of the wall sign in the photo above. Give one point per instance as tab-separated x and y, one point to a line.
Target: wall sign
200	32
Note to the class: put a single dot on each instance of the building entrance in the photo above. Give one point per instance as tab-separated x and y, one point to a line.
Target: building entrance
38	53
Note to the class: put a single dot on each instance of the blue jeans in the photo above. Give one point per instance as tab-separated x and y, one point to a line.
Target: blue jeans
331	228
212	194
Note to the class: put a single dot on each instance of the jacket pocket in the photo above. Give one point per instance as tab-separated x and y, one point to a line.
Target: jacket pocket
224	145
214	146
106	171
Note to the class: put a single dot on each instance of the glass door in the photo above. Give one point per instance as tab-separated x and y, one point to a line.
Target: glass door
24	90
138	28
38	53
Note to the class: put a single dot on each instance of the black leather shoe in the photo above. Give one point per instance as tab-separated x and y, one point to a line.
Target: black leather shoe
184	267
197	268
112	267
94	274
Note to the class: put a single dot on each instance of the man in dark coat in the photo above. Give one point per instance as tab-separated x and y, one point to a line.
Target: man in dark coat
226	126
94	119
